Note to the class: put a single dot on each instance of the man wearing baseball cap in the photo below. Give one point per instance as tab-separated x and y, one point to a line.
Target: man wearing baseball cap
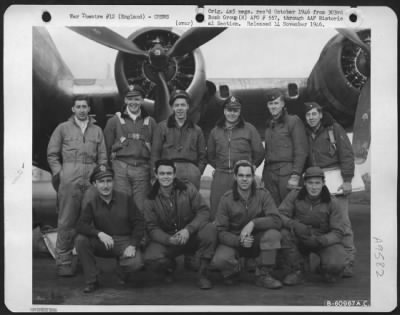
330	148
231	140
181	140
110	225
248	224
312	223
285	148
128	136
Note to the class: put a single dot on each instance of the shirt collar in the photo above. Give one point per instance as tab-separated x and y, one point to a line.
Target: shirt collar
131	115
82	124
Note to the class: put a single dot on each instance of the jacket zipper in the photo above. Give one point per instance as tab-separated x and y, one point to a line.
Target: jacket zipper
229	148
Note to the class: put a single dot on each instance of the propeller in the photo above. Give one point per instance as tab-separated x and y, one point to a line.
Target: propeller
194	38
162	110
158	58
109	38
353	37
362	124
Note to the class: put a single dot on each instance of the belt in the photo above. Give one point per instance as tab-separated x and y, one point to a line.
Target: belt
136	136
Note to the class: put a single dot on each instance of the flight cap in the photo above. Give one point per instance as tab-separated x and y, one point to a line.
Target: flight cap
101	171
273	94
311	105
135	90
179	94
314	171
232	102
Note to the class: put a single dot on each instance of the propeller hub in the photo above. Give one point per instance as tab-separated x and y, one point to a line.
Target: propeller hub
150	70
158	58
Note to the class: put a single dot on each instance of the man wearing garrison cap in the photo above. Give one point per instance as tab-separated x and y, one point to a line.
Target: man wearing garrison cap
179	139
312	223
330	148
231	140
110	225
128	136
285	148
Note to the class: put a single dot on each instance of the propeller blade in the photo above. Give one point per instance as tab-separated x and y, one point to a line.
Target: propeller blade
194	38
362	125
162	110
109	38
353	37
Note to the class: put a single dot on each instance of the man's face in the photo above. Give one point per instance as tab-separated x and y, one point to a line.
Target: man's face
275	107
314	186
180	108
313	117
134	103
81	109
165	175
232	114
244	177
104	186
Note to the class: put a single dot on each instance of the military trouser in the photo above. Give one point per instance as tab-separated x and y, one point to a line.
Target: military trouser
69	204
188	172
221	183
294	254
276	181
132	180
161	257
89	247
264	249
348	237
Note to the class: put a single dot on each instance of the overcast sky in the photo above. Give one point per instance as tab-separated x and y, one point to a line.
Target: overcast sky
235	53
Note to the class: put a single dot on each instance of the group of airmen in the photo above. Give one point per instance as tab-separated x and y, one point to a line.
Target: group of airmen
132	192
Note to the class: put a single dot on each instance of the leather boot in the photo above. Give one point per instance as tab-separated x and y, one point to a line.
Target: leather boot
265	280
348	271
203	281
294	278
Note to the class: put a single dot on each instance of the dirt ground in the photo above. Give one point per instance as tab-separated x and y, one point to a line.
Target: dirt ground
147	289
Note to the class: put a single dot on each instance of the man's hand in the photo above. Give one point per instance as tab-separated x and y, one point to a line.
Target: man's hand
247	230
311	242
293	181
130	251
183	236
106	239
346	188
174	240
300	230
313	219
247	241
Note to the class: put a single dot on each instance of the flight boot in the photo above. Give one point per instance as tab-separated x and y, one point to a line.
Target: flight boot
348	271
203	280
294	278
265	279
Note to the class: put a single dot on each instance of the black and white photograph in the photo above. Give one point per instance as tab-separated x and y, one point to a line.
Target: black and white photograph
159	150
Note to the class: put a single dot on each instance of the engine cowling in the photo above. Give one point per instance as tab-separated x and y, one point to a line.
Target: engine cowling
339	75
181	72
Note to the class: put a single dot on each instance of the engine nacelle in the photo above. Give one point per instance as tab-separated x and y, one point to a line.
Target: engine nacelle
338	77
185	72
